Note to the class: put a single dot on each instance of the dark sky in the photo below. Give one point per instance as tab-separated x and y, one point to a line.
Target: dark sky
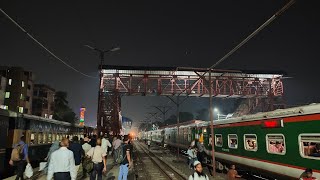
161	33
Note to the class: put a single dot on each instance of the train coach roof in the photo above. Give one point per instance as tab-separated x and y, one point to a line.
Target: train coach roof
295	111
9	113
184	124
4	113
38	118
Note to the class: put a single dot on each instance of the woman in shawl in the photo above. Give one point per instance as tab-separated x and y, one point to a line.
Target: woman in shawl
55	146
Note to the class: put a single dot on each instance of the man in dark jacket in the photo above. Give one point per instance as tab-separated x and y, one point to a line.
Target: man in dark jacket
77	150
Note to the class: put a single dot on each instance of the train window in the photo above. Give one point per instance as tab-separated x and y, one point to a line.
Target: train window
250	142
49	138
275	144
44	138
310	146
218	141
32	139
40	138
233	141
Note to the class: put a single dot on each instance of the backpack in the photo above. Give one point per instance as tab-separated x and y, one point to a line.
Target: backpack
87	163
120	157
17	153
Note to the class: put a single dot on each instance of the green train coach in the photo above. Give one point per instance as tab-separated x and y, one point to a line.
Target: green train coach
278	144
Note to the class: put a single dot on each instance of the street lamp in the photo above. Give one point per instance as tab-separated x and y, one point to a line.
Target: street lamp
101	54
217	110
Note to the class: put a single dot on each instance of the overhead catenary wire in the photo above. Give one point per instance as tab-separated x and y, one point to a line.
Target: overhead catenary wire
254	33
45	48
278	13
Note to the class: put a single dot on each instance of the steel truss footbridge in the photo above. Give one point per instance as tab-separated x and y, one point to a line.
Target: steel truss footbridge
118	81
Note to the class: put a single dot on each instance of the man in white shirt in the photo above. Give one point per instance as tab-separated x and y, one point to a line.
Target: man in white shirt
62	165
97	154
105	144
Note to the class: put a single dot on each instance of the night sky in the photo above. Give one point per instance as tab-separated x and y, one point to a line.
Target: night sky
161	33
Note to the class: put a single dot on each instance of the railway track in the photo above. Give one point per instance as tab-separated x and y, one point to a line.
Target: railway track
154	167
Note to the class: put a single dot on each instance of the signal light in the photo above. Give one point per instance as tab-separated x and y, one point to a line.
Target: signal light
272	123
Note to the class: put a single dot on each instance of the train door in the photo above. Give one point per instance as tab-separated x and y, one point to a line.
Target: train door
205	135
193	133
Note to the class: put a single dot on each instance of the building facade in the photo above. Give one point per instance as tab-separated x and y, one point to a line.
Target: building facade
43	101
19	89
3	83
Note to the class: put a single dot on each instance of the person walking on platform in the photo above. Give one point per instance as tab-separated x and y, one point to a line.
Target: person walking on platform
149	144
20	159
62	165
55	146
127	160
77	150
93	141
192	156
86	147
198	174
105	144
97	154
116	147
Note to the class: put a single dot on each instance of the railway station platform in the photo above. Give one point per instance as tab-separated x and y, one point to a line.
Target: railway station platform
111	174
113	170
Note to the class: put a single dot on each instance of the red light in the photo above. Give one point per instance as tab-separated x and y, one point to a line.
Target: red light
270	124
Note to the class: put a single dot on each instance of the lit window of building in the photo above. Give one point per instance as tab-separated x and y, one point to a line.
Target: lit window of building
5	107
20	109
7	95
21	96
10	81
22	83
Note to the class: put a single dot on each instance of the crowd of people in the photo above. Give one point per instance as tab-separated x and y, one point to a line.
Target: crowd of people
66	157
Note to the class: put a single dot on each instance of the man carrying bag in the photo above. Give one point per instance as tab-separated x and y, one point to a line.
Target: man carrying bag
19	157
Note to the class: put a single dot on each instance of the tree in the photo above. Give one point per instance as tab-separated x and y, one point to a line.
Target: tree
171	120
185	116
203	114
145	127
62	111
